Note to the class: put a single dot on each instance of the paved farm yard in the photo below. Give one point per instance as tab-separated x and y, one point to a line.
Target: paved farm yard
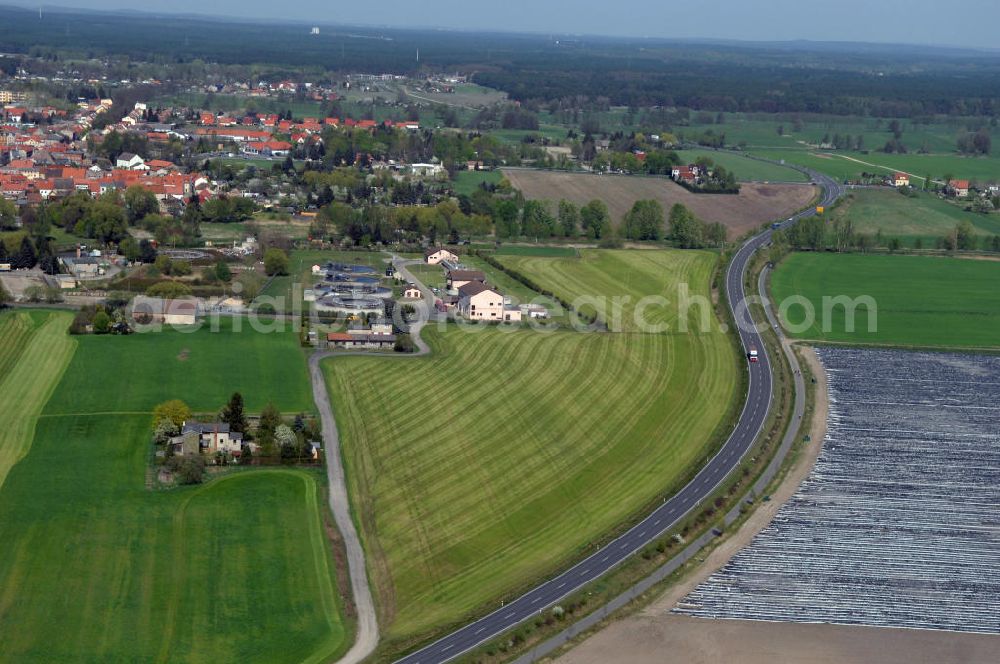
756	204
897	524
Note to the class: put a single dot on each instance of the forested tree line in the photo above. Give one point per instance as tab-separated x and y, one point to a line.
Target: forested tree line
816	234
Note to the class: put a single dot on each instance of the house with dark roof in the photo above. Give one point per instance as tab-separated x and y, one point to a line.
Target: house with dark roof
212	437
362	341
131	162
437	255
459	278
477	301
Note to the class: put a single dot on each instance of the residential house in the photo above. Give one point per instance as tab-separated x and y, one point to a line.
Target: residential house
959	188
687	174
146	310
362	341
130	162
412	293
436	255
427	170
477	301
900	180
214	437
459	278
268	148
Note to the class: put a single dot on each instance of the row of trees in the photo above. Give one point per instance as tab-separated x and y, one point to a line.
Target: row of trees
29	254
645	221
275	437
107	218
814	234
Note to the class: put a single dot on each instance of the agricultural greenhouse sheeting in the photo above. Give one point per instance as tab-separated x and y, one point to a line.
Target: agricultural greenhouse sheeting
898	525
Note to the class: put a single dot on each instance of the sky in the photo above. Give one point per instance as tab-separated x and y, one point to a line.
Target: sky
883	21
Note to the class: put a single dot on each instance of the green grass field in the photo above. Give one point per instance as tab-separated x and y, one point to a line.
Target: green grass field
466	182
925	217
761	130
844	165
629	275
921	300
553	132
431	276
33	355
203	366
744	168
504	455
545	252
238	569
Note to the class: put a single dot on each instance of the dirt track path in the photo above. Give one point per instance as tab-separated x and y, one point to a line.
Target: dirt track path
367	635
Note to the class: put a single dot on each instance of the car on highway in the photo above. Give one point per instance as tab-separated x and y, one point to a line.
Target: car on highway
752	355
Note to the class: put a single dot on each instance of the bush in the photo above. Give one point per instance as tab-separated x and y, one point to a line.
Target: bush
53	294
404	344
275	262
169	290
163	264
187	469
611	242
102	323
222	271
34	293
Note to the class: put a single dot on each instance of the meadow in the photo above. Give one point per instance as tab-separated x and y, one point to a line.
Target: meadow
745	169
847	165
33	356
200	366
466	182
925	217
504	455
549	252
237	569
921	300
431	276
630	275
758	130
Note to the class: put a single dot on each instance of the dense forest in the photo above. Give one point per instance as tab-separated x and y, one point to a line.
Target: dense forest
845	79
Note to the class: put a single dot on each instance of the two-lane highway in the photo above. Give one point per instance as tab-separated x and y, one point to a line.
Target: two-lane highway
664	517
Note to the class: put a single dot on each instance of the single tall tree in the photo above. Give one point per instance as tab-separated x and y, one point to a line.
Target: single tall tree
233	414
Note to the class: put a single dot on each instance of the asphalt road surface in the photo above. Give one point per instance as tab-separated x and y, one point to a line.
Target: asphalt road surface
752	419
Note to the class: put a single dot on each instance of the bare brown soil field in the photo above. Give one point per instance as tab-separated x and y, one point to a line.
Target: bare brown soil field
754	205
648	640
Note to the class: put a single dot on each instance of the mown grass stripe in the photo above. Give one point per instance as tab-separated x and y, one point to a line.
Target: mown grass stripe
500	456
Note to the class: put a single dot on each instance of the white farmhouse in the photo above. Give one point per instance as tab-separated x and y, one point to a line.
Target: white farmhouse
131	162
477	301
437	255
